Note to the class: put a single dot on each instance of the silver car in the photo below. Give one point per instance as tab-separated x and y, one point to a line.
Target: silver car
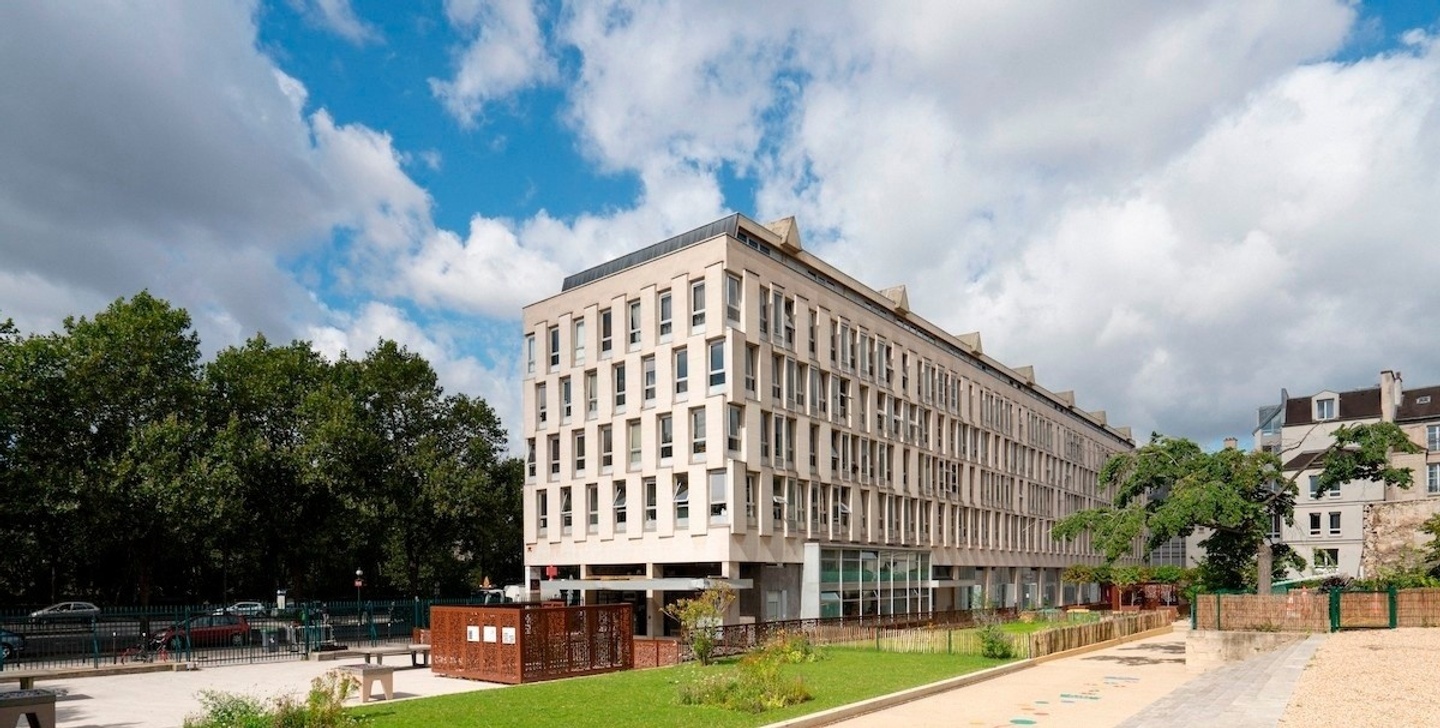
67	612
248	609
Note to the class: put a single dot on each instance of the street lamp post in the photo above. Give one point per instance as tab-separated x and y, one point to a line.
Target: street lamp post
359	582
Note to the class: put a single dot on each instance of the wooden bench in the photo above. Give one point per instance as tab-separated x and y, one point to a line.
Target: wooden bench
419	654
36	706
368	675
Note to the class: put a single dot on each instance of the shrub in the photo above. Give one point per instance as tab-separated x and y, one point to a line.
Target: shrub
994	643
323	707
700	618
791	647
756	684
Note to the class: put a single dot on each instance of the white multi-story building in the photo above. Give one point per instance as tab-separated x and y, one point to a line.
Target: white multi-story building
1331	530
724	405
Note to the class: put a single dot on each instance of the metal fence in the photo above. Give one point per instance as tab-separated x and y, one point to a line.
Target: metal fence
206	634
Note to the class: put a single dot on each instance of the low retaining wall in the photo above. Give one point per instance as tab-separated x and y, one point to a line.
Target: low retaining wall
1205	649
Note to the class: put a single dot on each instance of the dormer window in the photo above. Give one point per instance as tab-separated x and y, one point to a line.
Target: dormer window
1325	408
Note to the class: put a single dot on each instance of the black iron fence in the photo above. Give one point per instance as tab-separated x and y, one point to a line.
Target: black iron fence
206	634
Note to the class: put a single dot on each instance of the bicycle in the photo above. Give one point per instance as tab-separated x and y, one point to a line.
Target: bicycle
148	651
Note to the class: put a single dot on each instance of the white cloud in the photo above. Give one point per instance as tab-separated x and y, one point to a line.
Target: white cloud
338	17
508	54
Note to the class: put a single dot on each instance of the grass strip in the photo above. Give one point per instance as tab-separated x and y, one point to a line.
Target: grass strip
649	697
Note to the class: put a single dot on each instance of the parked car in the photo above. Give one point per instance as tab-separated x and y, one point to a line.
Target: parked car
204	630
67	612
309	612
11	644
247	609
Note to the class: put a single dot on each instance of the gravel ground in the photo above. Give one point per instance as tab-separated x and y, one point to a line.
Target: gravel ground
1370	678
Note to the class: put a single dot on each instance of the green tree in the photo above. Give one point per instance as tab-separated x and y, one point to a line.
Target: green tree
700	615
1170	487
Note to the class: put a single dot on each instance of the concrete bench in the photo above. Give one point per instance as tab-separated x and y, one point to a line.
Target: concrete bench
419	654
27	678
368	675
37	707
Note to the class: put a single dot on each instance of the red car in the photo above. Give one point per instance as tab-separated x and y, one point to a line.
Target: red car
206	630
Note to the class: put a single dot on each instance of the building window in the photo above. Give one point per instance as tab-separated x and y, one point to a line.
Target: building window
1432	478
665	316
667	438
697	305
719	510
592	394
750	479
634	324
717	363
530	457
1432	437
682	500
554	348
607	448
734	426
554	447
1334	492
619	506
542	409
1326	560
577	340
542	512
566	514
764	312
647	380
651	512
697	433
632	441
1325	408
592	506
752	356
1275	523
564	399
1334	523
619	373
733	299
1314	524
579	448
682	371
529	353
607	332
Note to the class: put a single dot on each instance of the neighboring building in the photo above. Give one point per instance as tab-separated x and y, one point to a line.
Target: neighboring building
724	405
1331	531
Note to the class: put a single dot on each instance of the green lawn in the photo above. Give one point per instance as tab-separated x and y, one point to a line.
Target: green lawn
649	697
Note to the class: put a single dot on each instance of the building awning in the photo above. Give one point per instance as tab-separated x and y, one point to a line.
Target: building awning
641	583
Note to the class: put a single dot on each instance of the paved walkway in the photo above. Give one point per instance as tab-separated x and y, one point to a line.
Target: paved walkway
1249	694
1092	690
163	699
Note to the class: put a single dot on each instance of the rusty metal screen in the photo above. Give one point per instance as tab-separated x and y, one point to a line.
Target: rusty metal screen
522	643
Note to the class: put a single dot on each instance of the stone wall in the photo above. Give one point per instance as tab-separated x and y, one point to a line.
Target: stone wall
1206	649
1392	537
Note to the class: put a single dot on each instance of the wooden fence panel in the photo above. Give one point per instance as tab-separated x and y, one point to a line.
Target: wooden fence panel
1418	607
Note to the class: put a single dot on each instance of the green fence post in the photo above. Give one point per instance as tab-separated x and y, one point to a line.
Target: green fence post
1334	610
1217	611
1195	611
1394	607
95	639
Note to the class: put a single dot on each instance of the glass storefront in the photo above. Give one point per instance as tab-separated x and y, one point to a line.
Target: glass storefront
856	582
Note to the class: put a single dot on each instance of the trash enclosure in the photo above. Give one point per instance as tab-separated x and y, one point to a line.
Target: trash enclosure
520	643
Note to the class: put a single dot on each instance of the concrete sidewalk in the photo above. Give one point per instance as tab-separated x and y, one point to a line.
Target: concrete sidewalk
164	699
1096	690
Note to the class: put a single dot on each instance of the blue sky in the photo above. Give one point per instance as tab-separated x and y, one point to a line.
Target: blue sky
1173	211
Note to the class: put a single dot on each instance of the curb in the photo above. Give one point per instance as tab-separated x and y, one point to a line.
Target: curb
852	710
